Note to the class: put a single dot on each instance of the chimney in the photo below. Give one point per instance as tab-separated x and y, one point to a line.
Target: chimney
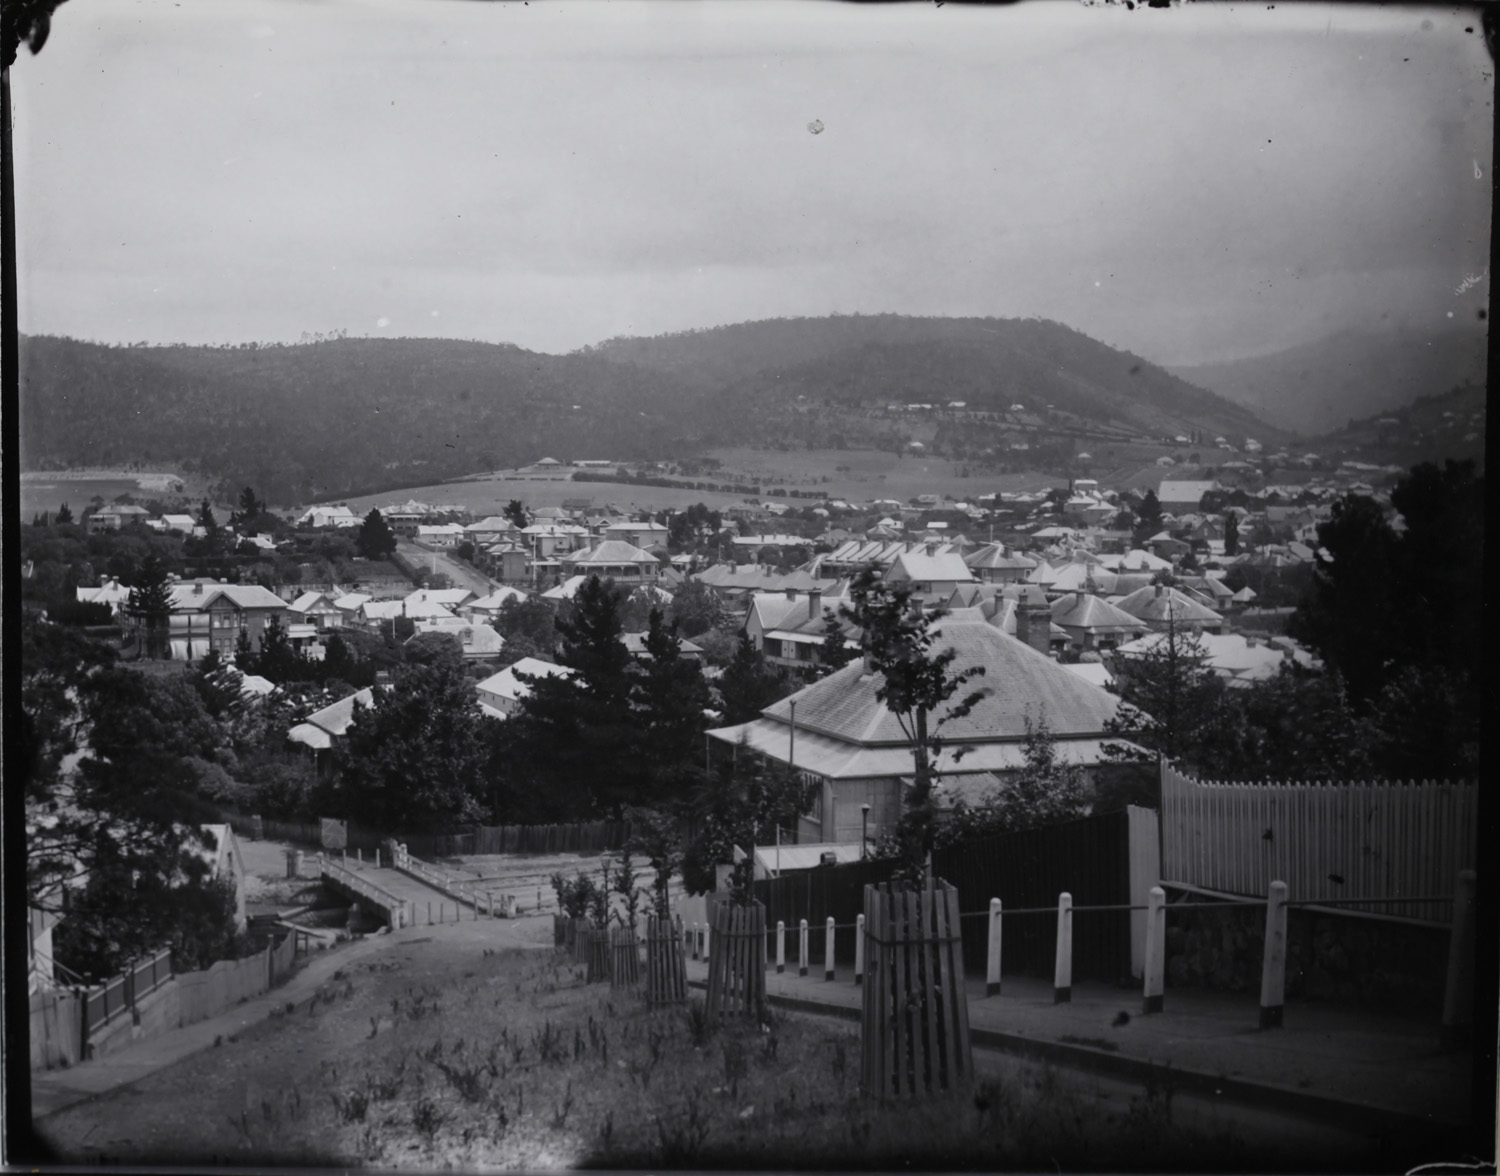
932	549
1158	590
1034	626
814	602
791	594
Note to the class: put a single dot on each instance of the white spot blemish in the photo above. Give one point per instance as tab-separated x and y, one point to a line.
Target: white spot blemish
434	314
1478	175
382	321
816	126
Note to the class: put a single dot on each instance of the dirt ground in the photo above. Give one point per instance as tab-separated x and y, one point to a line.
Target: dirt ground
447	1052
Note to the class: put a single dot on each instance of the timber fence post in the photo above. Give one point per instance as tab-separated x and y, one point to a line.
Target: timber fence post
1154	979
1457	995
1273	962
992	964
1062	980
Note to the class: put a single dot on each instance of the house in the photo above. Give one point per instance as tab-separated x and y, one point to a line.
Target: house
221	850
790	627
487	608
855	751
1160	606
638	534
112	518
1093	623
635	643
209	615
501	694
553	539
183	524
491	529
931	575
992	564
449	598
323	728
440	534
477	641
111	593
329	516
1235	657
375	613
510	559
318	610
613	559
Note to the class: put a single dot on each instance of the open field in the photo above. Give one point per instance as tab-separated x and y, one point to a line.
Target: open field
488	494
441	1052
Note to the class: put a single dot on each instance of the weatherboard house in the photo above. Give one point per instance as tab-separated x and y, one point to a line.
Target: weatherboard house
841	737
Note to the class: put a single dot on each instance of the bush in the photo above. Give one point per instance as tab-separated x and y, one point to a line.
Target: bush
576	897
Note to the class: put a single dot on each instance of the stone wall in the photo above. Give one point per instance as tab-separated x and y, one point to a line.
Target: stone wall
156	1013
1329	957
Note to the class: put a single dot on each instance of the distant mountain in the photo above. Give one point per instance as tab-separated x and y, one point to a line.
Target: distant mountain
341	417
1431	428
1323	385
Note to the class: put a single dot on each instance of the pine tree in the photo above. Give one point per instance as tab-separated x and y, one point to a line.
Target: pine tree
750	683
150	605
375	540
835	652
206	519
64	515
1231	534
1173	700
515	511
670	698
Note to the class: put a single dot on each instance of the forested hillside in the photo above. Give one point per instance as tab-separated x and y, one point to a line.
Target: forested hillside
340	417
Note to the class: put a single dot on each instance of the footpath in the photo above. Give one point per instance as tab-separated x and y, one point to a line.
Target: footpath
55	1090
1341	1065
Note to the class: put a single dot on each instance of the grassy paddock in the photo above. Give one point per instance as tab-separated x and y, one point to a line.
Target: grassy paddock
453	1055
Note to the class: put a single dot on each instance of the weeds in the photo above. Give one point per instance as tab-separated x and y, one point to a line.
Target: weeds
699	1025
426	1119
467	1080
351	1105
736	1064
560	1116
682	1139
548	1043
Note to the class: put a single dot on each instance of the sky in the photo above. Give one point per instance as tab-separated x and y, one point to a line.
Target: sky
1193	184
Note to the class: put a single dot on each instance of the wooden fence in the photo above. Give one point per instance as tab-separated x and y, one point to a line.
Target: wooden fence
211	991
737	960
56	1029
915	1017
1328	842
666	971
577	837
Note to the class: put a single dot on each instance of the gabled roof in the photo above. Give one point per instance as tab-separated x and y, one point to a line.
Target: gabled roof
495	599
994	555
445	596
612	551
506	685
309	600
918	565
843	706
332	720
636	644
351	601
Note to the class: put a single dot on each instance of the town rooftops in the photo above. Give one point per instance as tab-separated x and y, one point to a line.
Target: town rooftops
323	726
1081	611
1163	603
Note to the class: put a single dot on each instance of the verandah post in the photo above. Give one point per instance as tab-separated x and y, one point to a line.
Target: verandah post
1273	962
1062	980
1156	950
992	963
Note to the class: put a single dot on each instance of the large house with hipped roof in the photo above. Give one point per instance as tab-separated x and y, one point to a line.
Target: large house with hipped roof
841	737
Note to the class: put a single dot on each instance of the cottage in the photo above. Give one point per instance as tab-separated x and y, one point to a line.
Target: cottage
500	694
790	627
613	559
1092	623
853	748
209	615
1161	606
931	575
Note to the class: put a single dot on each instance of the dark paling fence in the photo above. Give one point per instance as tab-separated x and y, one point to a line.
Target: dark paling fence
816	894
1089	858
624	956
666	970
915	1015
737	960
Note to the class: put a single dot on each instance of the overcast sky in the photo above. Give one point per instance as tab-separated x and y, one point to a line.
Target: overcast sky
1193	184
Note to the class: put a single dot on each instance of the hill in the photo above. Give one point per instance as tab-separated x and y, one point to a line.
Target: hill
342	417
1431	428
1321	386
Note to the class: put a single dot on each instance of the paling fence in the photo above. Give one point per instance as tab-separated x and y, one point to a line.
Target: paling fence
63	1022
1400	845
1089	857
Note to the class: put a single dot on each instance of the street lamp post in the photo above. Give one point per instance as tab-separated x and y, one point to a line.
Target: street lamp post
864	829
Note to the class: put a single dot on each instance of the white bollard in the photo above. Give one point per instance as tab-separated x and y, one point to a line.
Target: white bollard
490	894
1273	962
1062	980
707	941
802	948
1457	991
859	950
1156	949
359	856
780	946
992	961
828	950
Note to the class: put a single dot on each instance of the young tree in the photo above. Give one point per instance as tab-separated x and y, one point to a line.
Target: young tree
1148	516
515	511
64	515
916	681
1231	533
207	521
150	606
375	540
695	607
1172	700
835	652
1046	791
656	836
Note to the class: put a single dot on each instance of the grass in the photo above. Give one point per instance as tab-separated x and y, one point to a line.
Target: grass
469	1059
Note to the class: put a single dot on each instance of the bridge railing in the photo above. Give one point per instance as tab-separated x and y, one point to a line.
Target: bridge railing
466	892
393	907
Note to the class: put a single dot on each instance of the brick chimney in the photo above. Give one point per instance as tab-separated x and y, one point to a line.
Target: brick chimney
932	549
814	603
1034	625
791	594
